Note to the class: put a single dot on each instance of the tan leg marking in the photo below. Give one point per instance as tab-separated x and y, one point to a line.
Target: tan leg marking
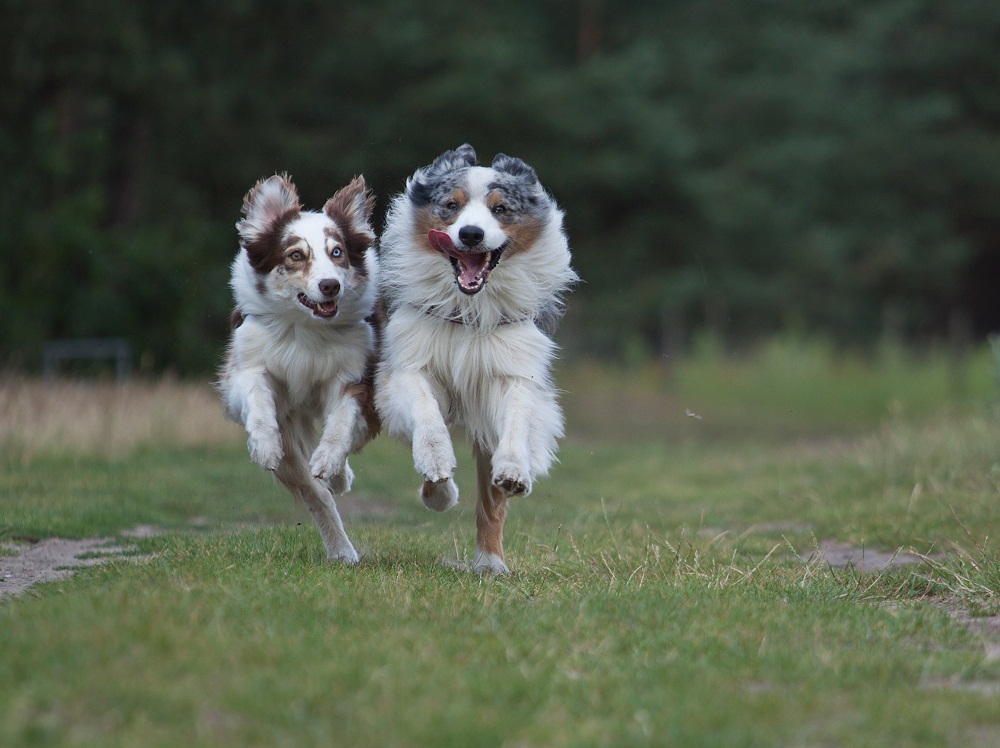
491	507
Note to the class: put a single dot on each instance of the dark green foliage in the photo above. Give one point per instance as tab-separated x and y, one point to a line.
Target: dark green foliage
743	166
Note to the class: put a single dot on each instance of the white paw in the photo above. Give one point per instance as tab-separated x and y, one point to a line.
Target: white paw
485	562
345	555
434	457
265	448
327	461
511	479
341	482
439	496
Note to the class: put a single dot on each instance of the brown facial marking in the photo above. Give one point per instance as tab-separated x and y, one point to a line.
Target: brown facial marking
438	217
297	257
270	206
523	230
495	199
523	233
267	251
336	247
351	209
461	198
353	245
425	221
357	243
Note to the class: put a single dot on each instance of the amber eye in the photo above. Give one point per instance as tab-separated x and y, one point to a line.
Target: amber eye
336	252
296	256
499	209
451	206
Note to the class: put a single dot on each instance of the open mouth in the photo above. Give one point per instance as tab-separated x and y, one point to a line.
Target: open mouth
472	269
323	309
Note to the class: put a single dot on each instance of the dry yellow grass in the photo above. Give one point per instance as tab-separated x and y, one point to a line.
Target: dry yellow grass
80	417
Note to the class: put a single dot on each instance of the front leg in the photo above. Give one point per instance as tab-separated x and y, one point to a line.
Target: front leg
341	482
408	407
251	398
344	430
511	463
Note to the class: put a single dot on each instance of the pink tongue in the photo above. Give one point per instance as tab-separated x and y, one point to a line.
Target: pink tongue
470	266
469	263
441	241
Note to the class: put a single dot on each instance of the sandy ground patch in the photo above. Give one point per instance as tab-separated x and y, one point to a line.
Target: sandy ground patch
841	555
23	564
51	559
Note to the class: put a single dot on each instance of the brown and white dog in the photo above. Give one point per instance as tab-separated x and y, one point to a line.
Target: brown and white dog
475	263
304	343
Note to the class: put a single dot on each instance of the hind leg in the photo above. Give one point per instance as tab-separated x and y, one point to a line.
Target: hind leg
294	473
321	505
491	513
324	512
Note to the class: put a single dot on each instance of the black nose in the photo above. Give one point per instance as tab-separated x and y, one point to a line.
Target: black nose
329	287
470	236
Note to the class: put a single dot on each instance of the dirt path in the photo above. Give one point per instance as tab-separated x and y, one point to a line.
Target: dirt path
841	555
30	560
51	559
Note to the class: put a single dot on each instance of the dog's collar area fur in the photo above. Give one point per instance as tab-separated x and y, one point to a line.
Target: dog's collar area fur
238	317
455	316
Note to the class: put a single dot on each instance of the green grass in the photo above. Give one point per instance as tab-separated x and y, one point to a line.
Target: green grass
665	590
785	388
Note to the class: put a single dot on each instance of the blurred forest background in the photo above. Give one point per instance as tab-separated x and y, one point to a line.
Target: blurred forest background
828	167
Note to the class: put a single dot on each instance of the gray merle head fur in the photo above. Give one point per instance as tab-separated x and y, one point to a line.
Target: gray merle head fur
519	185
518	181
439	178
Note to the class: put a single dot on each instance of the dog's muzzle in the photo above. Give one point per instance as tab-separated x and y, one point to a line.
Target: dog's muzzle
472	268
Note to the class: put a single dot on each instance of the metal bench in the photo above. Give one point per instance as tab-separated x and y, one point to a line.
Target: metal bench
57	351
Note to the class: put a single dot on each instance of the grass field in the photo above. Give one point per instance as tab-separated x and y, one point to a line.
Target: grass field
667	588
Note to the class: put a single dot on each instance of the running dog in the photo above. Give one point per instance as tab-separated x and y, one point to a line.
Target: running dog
304	343
475	263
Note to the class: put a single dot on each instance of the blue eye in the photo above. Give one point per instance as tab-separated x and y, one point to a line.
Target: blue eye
336	252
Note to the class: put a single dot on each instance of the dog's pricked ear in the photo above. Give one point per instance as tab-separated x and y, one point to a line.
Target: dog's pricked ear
272	204
418	187
513	166
271	201
467	153
352	207
459	158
